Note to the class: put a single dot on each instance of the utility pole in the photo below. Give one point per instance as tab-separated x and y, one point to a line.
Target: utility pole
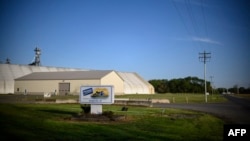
205	57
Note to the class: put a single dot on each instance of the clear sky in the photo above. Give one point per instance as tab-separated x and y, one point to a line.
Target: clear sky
158	39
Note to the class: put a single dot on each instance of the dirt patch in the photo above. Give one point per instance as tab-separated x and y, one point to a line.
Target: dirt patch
106	116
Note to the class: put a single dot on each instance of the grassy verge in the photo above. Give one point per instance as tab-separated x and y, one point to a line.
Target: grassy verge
173	98
178	98
51	122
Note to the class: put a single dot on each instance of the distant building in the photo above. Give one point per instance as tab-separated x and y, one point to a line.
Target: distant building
28	79
9	72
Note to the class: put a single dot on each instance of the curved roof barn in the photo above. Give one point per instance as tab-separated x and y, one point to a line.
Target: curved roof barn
39	79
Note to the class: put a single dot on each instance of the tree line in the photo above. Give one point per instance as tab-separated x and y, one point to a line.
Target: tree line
190	85
235	89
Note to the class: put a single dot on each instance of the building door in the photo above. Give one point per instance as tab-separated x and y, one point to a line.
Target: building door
64	88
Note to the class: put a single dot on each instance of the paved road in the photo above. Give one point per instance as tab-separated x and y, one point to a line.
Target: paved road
236	110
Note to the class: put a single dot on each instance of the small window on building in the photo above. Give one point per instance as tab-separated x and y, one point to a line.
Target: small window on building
17	89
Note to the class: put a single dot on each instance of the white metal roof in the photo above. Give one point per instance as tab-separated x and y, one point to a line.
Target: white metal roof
9	72
65	75
134	84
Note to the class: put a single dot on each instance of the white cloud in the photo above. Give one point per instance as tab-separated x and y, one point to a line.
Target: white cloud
199	39
192	2
206	40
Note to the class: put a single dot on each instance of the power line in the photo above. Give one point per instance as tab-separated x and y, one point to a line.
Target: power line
189	31
180	15
205	57
204	17
192	17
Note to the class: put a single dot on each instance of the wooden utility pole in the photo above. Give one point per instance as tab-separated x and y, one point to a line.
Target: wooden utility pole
205	57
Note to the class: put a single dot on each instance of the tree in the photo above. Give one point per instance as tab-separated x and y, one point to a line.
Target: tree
161	86
180	85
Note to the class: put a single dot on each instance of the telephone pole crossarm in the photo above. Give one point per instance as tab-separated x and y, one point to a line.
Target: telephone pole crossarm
204	57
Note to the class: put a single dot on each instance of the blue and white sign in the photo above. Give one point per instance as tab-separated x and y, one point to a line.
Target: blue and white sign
97	94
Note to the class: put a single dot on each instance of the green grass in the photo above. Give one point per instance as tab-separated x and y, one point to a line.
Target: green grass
50	122
178	98
173	98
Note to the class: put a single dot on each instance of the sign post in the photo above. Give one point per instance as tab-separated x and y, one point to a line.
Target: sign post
96	96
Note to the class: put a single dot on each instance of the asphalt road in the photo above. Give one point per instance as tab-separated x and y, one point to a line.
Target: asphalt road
235	111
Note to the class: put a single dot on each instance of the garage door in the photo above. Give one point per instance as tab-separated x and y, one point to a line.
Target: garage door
64	88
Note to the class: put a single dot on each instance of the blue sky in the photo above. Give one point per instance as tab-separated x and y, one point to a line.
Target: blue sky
158	39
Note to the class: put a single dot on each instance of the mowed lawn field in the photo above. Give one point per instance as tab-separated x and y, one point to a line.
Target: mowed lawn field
179	97
31	121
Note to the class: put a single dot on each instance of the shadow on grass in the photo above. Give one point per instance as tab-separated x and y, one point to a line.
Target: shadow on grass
53	111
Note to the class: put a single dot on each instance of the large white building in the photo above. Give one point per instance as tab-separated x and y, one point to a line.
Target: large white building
58	80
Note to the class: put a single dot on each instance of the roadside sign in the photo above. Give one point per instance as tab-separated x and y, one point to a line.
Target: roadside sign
103	94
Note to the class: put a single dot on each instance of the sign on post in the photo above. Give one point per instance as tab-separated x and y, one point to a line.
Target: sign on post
97	95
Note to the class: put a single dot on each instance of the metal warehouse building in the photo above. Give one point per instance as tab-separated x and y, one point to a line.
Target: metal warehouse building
39	79
9	72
